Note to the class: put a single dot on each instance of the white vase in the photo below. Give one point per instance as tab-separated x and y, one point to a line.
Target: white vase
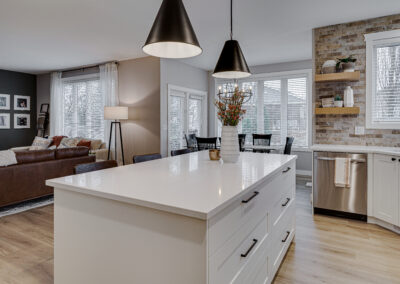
229	144
348	97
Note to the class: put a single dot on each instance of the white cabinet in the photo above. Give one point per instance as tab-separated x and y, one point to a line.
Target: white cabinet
386	188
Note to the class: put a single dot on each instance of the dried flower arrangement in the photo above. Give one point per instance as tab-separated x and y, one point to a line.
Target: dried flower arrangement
230	110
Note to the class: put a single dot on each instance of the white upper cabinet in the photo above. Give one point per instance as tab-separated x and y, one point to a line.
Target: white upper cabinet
386	188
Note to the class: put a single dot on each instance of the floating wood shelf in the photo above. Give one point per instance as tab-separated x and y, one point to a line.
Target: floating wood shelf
338	77
337	110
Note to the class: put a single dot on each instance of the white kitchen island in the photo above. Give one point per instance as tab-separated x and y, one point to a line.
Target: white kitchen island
182	219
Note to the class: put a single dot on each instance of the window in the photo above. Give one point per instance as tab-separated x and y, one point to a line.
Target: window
280	106
187	114
383	80
83	107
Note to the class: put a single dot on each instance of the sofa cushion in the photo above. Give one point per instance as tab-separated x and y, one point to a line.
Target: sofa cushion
85	143
40	143
69	142
25	157
65	153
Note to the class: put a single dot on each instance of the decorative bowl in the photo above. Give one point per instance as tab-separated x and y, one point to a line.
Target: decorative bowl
214	154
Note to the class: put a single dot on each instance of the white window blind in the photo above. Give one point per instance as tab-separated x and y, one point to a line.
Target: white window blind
297	110
248	125
272	110
83	108
386	99
176	119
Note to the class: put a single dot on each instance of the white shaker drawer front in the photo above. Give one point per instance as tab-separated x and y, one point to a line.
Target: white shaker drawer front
286	198
286	179
282	236
227	263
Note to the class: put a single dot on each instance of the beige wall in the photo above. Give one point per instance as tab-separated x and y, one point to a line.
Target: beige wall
139	89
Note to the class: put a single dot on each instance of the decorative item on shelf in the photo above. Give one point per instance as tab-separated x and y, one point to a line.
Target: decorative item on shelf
231	63
348	97
116	113
230	112
346	64
327	102
214	154
328	67
338	101
172	34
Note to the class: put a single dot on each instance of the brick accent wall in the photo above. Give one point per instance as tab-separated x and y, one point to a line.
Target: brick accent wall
342	40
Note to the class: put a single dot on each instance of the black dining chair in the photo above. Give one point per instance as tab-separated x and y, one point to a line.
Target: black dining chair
180	152
242	141
204	143
145	158
262	140
288	145
96	166
191	142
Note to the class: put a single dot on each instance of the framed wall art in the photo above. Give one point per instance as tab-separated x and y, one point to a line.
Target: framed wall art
22	102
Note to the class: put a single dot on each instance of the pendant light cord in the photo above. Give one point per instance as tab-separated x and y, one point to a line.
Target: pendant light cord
231	21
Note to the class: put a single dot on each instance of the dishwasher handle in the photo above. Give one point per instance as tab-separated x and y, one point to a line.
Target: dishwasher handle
333	159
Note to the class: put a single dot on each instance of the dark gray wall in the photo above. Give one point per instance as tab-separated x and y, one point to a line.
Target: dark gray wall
15	83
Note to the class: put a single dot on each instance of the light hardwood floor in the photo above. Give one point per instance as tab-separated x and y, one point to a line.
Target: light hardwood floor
326	249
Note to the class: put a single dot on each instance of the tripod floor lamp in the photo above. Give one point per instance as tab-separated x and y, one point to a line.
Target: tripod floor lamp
116	113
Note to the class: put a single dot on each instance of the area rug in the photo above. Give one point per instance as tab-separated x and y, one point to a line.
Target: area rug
27	205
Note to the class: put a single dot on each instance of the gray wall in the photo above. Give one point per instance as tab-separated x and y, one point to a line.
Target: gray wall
304	161
42	90
180	74
15	83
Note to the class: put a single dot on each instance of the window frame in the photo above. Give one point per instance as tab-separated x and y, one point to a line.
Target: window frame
285	75
187	94
373	40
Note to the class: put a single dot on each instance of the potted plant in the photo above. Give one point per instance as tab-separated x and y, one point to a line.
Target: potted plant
230	111
346	64
338	101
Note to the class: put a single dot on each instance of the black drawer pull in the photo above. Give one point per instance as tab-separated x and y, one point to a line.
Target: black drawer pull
393	159
286	203
250	248
251	197
287	236
288	169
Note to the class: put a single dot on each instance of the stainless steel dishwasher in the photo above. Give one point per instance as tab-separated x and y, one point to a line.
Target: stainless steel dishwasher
350	202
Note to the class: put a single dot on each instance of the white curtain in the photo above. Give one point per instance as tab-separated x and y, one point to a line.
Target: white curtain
109	89
56	105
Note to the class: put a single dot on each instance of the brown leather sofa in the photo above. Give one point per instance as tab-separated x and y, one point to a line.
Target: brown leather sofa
26	180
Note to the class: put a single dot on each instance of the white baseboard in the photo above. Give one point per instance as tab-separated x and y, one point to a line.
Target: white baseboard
304	173
384	224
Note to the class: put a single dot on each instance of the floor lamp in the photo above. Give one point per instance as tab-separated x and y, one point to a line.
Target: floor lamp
116	114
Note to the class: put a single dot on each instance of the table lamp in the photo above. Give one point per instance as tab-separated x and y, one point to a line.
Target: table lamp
116	113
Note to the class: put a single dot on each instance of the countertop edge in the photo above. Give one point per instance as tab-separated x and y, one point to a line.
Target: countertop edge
353	148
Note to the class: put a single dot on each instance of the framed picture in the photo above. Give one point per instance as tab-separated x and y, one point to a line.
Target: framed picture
4	102
4	121
22	120
22	102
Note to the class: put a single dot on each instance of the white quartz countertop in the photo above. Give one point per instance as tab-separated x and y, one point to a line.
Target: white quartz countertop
190	184
356	149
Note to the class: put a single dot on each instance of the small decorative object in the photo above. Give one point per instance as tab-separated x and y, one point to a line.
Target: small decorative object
22	120
328	67
22	102
230	112
338	101
348	97
328	102
4	121
214	154
346	64
4	102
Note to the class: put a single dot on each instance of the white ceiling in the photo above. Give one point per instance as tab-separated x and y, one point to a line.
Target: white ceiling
37	36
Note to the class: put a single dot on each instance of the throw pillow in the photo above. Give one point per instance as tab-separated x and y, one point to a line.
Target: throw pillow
57	140
40	143
85	143
69	142
7	158
95	144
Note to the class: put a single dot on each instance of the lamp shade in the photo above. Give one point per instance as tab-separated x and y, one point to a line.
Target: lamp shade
231	63
172	34
115	112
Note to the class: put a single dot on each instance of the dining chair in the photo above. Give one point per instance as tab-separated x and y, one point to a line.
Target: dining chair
288	145
180	152
205	143
191	141
242	141
262	140
146	158
96	166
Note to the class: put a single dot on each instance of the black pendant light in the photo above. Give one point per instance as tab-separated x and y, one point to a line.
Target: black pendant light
172	34
231	63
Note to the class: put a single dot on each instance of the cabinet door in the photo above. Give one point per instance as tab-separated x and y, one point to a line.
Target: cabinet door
386	188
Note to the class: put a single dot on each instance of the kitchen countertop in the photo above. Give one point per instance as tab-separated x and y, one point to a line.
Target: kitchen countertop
190	184
356	149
